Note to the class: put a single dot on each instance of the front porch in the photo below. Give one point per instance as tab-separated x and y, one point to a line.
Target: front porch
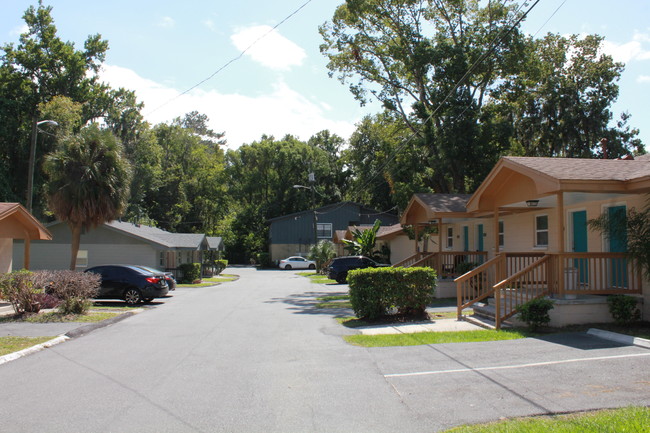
512	279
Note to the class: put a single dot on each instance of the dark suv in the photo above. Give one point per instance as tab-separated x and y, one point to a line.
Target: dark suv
339	267
131	283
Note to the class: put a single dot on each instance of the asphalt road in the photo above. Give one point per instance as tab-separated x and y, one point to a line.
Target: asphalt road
256	356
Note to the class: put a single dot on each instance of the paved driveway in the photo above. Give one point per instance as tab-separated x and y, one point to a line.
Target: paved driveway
255	355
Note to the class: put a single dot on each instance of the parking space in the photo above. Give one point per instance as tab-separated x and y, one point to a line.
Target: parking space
486	381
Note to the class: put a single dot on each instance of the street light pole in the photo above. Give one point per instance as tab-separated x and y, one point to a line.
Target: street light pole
313	205
32	160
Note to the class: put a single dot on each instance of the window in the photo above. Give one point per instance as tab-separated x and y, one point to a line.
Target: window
324	230
82	258
450	237
541	231
161	260
502	238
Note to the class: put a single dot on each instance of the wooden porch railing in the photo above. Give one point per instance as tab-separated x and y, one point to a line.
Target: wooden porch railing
595	274
445	263
525	285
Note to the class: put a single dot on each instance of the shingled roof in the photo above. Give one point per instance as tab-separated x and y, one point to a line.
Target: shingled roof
586	169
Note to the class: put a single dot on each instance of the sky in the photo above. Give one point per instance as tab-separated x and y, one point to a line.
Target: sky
161	49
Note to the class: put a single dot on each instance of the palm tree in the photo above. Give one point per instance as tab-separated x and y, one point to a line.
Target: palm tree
88	182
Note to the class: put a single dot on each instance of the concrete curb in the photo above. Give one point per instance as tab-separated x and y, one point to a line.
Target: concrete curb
619	338
77	332
16	355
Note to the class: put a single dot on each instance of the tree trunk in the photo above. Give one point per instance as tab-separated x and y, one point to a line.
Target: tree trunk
76	239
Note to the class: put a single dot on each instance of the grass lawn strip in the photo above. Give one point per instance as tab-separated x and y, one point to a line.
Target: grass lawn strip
317	278
15	344
629	419
212	281
56	317
422	338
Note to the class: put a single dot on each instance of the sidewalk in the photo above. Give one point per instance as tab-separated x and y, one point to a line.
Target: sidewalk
440	325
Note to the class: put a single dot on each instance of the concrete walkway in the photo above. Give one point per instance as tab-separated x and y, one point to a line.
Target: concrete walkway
441	325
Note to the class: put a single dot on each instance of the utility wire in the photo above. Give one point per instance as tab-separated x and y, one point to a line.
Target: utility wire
495	42
234	59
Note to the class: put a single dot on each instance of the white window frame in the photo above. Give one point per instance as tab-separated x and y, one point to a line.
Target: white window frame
450	238
324	227
538	231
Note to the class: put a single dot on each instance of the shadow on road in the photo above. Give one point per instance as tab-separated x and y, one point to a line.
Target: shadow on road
307	303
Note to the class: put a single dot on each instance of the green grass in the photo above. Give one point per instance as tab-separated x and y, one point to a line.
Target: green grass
316	277
420	338
14	344
630	419
212	281
334	301
56	317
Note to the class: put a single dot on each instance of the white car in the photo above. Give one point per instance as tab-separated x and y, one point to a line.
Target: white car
296	262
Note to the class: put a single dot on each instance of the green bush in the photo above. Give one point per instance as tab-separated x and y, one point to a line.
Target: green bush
73	288
373	291
535	312
623	309
191	272
219	266
22	289
264	260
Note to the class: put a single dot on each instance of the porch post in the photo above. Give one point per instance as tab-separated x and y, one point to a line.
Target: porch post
26	253
439	235
496	231
560	240
417	242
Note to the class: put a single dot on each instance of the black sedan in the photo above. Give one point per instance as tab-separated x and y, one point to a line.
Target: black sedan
131	283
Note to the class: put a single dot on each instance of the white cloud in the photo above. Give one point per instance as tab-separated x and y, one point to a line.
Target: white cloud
632	50
243	118
643	79
269	47
209	24
166	22
17	31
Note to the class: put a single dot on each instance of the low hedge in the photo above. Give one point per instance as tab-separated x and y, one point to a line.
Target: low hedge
374	291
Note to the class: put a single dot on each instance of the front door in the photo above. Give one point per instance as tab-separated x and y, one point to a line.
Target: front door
579	243
465	238
617	216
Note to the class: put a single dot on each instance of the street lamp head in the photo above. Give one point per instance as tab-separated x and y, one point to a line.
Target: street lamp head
301	186
47	122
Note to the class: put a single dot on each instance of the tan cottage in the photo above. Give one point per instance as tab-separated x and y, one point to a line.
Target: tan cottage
524	233
17	223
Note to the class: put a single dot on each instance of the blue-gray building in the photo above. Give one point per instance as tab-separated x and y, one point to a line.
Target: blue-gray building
293	234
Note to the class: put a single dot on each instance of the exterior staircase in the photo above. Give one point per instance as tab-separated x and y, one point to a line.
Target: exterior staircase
484	313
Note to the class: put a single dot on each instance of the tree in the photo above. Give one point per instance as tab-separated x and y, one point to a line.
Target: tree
419	58
559	103
40	67
88	182
321	253
363	241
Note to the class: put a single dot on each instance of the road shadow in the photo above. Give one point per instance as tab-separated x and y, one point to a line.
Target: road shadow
580	341
308	303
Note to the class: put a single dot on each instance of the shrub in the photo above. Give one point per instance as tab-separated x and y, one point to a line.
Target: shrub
623	309
264	260
22	289
47	301
535	312
219	266
73	288
191	272
373	291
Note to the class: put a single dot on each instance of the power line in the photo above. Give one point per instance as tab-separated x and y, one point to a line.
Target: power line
495	42
234	59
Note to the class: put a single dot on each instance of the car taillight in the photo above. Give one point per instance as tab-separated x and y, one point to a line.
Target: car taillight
153	280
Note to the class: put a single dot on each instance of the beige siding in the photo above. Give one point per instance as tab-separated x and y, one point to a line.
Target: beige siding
401	247
57	256
6	247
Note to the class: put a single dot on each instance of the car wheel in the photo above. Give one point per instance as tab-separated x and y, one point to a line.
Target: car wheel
132	296
312	266
287	268
342	279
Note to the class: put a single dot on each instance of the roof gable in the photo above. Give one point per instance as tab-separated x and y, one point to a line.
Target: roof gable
17	223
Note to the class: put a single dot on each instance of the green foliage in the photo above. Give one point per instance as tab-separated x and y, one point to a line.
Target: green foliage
220	265
624	309
191	272
22	289
633	226
464	267
73	288
373	291
535	312
88	181
363	241
264	260
321	253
